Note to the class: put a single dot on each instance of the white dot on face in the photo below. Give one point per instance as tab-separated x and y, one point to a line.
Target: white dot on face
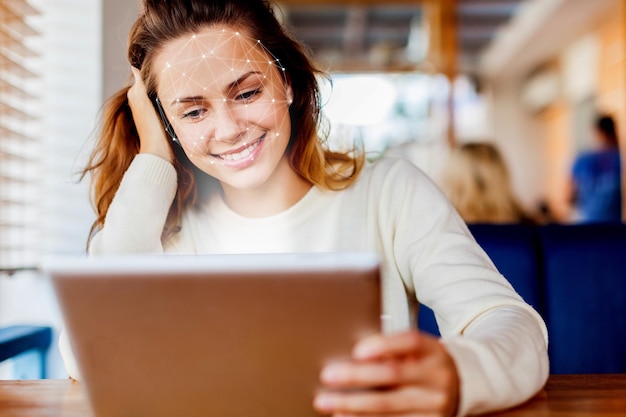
277	134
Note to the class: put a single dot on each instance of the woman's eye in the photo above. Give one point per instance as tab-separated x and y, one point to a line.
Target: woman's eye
249	95
193	114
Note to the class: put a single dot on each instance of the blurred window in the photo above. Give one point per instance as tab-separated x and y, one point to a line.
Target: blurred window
19	129
50	94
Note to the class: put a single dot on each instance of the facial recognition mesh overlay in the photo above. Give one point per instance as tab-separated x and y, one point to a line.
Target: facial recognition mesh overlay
223	93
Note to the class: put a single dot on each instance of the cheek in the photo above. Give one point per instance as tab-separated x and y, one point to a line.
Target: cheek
272	115
190	131
190	136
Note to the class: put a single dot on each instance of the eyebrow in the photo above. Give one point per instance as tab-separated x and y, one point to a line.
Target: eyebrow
194	99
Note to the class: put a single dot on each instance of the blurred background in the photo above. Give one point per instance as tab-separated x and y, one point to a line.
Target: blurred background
410	78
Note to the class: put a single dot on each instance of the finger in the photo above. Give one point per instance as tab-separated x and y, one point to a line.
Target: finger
432	371
137	90
409	400
136	73
372	374
133	75
380	346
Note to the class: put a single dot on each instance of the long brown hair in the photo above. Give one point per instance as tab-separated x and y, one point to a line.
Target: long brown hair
163	21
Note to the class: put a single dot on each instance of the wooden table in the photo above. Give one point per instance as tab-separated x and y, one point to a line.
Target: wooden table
563	396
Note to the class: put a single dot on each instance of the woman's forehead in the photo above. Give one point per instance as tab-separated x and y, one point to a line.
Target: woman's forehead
211	57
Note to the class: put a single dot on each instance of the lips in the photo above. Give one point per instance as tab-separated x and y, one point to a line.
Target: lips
240	153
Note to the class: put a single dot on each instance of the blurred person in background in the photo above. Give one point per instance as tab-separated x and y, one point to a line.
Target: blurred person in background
476	180
596	186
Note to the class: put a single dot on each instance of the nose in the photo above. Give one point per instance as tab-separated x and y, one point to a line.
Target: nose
225	124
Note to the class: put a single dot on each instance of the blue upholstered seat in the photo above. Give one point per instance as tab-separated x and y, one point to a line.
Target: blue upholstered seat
15	340
585	272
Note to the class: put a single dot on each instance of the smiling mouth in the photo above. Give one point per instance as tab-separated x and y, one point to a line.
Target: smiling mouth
241	154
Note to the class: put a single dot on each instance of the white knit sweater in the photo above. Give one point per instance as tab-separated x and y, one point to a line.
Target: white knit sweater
498	342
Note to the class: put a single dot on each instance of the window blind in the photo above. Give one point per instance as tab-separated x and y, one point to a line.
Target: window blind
19	225
50	93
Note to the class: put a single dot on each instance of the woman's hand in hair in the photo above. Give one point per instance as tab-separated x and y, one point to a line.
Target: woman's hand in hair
402	374
152	136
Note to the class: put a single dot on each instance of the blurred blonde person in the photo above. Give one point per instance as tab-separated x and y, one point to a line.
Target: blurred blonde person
476	181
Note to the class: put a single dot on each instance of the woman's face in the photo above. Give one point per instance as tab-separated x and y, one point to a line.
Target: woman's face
227	100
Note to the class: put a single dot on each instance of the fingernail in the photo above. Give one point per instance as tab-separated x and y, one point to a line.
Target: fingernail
365	351
323	402
331	374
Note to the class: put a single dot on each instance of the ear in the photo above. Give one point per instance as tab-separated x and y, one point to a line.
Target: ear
289	93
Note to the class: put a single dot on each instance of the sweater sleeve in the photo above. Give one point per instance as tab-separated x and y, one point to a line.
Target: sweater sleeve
497	340
501	358
136	218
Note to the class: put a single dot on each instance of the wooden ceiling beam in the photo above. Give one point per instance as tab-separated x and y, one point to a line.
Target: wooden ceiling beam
444	46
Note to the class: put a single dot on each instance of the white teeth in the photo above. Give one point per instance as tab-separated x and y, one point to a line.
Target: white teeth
240	155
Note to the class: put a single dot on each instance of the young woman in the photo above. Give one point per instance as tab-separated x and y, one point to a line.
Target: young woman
216	147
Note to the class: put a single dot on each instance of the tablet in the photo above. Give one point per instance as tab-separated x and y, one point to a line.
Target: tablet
213	335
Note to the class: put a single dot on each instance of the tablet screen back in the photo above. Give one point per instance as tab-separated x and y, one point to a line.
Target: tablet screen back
216	335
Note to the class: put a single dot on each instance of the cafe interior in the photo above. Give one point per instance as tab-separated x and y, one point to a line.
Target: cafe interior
414	79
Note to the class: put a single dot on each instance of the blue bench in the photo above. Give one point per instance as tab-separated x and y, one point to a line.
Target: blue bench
575	277
16	340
